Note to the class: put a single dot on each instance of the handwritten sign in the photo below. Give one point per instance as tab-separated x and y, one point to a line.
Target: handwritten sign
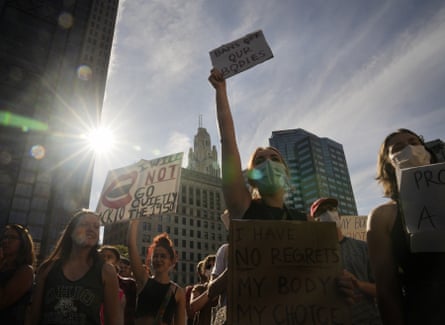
143	189
422	196
354	226
241	54
283	272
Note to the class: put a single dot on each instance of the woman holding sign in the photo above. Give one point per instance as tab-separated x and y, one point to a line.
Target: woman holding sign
268	175
410	286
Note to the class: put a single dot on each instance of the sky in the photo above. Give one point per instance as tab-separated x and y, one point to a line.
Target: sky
349	70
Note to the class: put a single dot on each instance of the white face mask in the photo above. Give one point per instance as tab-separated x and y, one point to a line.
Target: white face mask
269	176
330	216
410	156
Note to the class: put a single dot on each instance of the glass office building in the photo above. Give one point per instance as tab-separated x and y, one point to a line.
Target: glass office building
53	60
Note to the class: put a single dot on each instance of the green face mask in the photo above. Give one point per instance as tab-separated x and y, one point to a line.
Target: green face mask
269	176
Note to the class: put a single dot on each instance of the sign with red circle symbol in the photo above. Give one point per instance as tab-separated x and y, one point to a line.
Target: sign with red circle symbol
149	187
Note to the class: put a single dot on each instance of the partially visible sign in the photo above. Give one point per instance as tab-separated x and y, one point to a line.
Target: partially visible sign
283	272
354	226
143	189
241	54
422	196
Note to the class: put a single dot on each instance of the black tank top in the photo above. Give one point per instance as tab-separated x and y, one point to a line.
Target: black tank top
73	302
422	277
15	313
151	298
258	210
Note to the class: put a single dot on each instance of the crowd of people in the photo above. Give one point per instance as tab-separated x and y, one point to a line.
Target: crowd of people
80	282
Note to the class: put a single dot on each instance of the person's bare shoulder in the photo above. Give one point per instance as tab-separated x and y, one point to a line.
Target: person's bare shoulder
382	217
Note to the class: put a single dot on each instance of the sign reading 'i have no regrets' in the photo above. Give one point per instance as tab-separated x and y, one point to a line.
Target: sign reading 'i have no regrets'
283	272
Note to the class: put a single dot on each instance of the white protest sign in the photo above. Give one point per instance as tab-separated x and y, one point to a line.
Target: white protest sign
241	54
422	197
143	189
283	272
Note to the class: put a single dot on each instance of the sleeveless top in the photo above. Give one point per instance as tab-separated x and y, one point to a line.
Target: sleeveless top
422	277
151	298
15	313
258	210
73	302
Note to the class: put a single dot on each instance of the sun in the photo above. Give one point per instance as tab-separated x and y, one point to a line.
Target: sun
101	140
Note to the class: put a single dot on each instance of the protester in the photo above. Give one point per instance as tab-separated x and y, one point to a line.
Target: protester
124	267
74	281
160	300
188	295
354	255
16	273
127	286
202	308
410	286
267	173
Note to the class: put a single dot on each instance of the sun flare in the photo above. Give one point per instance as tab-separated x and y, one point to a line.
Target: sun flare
101	140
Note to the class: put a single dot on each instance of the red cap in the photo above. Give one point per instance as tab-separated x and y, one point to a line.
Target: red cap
323	200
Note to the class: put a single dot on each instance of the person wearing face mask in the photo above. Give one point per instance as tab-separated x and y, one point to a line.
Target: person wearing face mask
354	255
267	171
410	286
267	174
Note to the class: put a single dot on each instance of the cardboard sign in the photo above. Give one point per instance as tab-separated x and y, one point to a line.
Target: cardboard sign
143	189
354	226
241	54
422	196
283	272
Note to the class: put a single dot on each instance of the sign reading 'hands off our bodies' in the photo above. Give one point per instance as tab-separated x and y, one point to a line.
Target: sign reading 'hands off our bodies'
241	54
283	272
422	197
143	189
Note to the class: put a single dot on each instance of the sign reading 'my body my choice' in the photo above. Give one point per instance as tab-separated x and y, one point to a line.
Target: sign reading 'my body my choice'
283	272
143	189
241	54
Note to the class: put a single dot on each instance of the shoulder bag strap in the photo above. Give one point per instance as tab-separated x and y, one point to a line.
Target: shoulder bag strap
163	307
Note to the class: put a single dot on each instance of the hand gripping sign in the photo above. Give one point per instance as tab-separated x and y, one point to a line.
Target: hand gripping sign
241	54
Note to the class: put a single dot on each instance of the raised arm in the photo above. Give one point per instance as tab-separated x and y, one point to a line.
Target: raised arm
139	272
236	194
113	310
380	223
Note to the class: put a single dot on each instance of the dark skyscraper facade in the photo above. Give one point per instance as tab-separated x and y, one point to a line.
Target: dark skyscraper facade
54	59
317	167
